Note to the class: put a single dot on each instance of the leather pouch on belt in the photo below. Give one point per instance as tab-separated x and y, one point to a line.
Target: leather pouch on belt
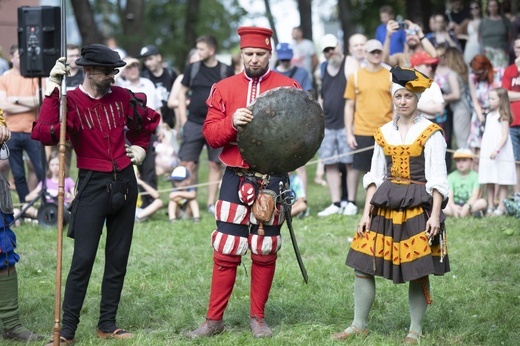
263	208
118	191
72	210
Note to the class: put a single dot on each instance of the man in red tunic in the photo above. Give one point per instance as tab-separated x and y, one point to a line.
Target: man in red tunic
98	116
237	228
511	82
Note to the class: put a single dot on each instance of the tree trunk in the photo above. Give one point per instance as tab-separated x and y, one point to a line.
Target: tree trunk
269	16
514	7
190	25
132	22
305	9
86	24
419	12
346	22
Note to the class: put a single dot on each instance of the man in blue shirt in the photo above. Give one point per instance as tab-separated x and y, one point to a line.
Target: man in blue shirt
398	39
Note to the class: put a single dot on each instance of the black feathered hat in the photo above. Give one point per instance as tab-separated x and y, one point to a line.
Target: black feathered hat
410	79
99	55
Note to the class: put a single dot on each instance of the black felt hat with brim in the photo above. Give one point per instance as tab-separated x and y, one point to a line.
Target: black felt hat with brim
99	55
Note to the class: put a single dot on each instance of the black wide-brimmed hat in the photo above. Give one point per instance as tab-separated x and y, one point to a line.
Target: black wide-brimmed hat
99	55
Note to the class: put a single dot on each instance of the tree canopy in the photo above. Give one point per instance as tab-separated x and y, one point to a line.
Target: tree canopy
174	25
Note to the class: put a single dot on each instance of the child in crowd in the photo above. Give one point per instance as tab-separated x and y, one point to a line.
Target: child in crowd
300	203
51	187
299	206
142	214
465	195
182	197
166	149
497	162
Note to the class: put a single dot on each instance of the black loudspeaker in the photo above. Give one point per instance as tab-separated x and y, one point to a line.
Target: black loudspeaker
39	38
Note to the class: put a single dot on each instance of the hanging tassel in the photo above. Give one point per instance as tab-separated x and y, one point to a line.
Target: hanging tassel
424	283
261	229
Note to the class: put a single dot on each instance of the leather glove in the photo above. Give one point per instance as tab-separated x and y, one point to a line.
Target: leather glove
135	153
56	76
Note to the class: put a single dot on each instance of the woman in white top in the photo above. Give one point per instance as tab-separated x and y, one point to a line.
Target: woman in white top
401	235
470	28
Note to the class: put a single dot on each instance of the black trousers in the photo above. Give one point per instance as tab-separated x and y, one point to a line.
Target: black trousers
92	214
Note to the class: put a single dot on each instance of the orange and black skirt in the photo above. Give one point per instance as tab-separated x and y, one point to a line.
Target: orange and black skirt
396	246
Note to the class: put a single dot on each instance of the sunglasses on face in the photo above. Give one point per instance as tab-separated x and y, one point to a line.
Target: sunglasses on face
107	71
328	50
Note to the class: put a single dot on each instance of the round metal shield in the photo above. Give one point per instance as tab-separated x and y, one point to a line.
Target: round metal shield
286	131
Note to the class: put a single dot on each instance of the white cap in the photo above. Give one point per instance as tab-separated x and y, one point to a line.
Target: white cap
131	61
328	41
179	173
397	86
372	45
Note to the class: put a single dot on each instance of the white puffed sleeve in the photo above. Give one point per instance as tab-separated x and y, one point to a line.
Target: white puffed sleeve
435	165
377	169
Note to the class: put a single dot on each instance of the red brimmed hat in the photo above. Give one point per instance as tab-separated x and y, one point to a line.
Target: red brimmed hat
420	58
254	37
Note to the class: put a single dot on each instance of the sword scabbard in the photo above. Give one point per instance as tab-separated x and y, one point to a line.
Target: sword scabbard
288	220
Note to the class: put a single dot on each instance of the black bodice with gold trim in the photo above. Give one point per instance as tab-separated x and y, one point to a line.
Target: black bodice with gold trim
404	184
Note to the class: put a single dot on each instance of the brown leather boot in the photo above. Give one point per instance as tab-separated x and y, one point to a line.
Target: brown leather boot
260	328
208	328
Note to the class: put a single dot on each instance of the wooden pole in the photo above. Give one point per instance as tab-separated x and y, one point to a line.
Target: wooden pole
61	181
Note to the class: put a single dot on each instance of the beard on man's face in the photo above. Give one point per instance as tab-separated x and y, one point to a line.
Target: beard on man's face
104	84
256	73
107	81
412	44
335	60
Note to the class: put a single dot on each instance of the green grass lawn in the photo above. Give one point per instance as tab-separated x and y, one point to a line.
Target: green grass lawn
167	285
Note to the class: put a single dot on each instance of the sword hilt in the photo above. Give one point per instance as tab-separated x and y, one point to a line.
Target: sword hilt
287	197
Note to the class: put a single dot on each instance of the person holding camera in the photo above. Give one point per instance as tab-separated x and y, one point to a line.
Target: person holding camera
398	40
416	42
